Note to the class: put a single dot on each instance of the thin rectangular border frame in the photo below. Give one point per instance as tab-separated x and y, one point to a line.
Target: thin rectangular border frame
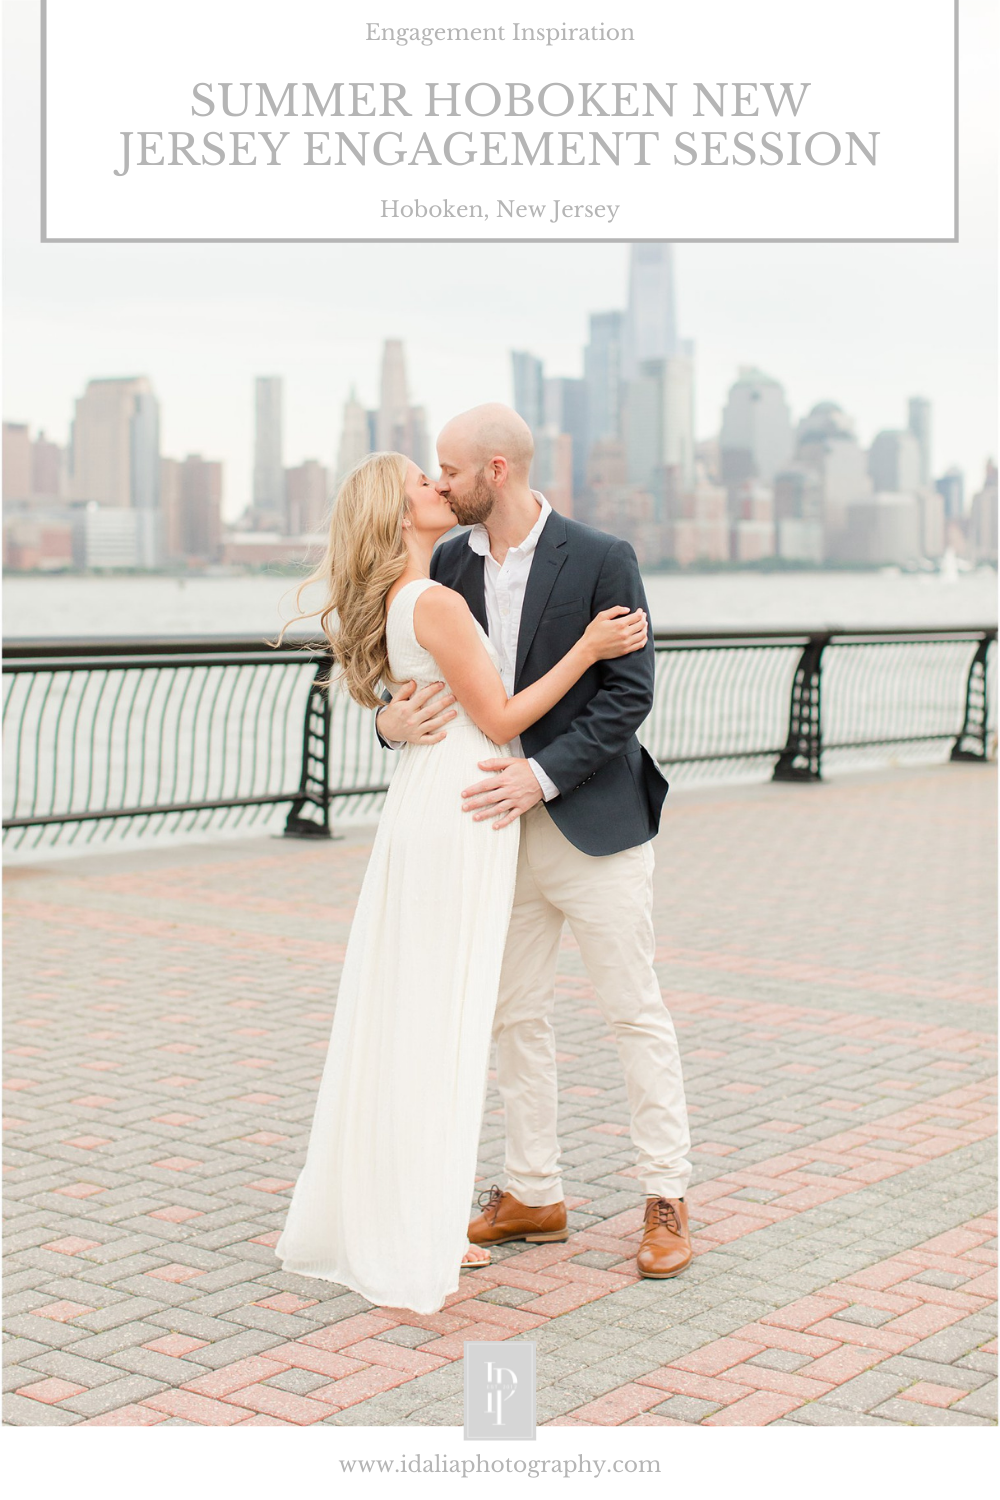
47	239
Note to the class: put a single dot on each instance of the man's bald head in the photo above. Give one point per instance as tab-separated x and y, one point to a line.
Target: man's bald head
485	433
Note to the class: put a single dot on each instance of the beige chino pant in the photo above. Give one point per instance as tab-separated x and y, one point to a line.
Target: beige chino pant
608	902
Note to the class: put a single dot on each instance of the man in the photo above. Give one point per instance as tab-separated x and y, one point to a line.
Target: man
589	799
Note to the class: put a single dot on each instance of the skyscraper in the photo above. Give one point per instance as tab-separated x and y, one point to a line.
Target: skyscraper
658	427
983	518
565	409
651	322
678	414
602	374
642	423
305	498
399	427
115	432
951	486
268	462
144	467
529	388
192	506
552	469
47	468
116	456
884	529
894	461
16	462
756	438
919	423
394	403
417	438
33	468
828	474
355	439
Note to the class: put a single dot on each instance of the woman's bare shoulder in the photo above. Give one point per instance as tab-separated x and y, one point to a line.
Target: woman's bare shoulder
441	603
441	616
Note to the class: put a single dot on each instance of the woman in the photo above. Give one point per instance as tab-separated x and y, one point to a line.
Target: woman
382	1202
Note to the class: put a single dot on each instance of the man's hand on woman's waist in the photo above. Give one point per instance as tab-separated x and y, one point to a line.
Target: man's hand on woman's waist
416	716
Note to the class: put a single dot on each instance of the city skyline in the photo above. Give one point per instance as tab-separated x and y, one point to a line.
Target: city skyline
315	396
862	325
569	405
759	488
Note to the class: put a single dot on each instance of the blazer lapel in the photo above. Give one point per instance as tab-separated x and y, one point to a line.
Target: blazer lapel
550	554
472	585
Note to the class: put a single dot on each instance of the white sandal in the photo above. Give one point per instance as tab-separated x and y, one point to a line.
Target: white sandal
477	1251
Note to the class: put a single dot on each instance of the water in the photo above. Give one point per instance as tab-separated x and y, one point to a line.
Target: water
256	603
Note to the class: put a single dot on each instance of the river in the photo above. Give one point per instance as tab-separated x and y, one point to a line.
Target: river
240	604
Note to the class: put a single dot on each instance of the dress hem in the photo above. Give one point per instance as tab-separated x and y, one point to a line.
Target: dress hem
311	1270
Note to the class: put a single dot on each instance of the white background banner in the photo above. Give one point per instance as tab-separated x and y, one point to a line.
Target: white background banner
237	119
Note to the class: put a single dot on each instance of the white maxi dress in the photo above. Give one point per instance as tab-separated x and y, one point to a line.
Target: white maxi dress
383	1200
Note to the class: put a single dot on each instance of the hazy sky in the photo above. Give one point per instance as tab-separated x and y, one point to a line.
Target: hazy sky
863	325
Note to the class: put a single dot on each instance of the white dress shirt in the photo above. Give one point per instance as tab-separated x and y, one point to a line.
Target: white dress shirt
505	584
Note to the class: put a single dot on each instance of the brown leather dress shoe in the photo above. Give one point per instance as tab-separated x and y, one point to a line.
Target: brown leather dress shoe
504	1218
666	1242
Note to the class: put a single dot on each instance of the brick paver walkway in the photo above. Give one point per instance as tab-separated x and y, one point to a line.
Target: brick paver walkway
826	952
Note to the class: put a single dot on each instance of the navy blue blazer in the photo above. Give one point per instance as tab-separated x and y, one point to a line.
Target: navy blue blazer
611	790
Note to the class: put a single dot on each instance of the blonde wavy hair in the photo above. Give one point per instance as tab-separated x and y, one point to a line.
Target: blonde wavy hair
365	555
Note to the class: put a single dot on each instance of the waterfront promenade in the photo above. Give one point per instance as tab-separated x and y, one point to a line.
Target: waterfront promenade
827	954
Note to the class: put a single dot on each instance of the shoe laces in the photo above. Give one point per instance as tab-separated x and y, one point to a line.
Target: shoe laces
664	1215
491	1207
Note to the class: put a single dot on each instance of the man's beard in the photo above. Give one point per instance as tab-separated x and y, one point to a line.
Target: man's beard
476	507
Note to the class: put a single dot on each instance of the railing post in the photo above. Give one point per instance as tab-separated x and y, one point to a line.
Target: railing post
970	743
801	759
314	782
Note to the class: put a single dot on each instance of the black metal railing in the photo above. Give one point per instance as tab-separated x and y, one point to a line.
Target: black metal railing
166	735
